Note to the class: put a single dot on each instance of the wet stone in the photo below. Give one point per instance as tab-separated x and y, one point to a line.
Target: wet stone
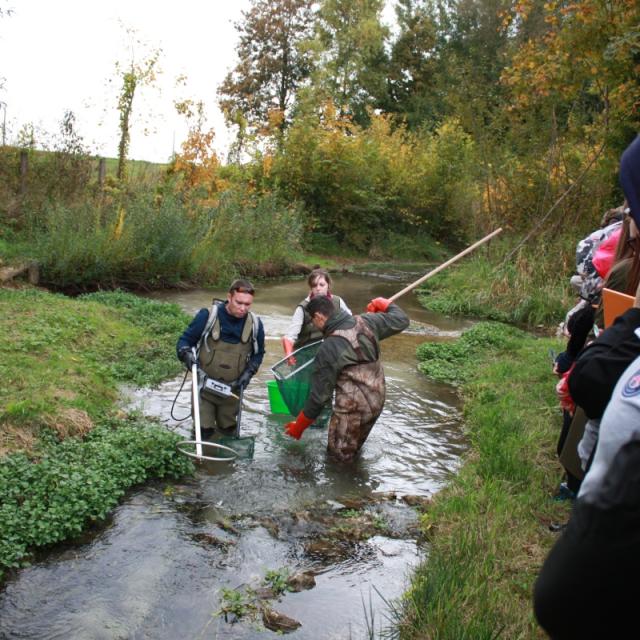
276	621
301	581
214	541
265	593
420	502
327	550
353	502
385	496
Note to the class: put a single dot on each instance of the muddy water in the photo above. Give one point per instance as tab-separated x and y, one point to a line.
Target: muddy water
159	568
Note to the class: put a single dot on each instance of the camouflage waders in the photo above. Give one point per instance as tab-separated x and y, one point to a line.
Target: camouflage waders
360	394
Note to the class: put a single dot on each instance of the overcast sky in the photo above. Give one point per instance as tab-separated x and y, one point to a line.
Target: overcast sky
60	54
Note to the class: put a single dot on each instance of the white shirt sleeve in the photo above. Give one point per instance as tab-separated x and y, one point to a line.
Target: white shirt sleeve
293	331
620	423
343	306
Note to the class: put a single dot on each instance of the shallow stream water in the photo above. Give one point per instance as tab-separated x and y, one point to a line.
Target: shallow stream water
160	567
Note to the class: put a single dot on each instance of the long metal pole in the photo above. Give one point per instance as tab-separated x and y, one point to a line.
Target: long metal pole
433	272
195	392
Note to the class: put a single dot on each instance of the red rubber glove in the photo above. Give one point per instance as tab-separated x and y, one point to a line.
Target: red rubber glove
296	429
378	304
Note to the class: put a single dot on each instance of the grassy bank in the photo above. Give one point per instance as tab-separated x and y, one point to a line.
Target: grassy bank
529	288
488	530
67	454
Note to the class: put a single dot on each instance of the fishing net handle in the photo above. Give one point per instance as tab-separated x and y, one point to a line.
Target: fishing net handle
444	265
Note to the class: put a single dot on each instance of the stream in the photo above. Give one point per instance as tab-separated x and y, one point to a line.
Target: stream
207	557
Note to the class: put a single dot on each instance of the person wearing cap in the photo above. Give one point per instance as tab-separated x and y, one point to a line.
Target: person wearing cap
348	361
229	348
301	330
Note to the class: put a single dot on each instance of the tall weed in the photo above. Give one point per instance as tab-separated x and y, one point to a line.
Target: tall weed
248	235
529	289
138	241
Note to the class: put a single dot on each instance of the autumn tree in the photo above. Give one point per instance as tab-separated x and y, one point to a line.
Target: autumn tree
197	165
584	68
352	59
274	60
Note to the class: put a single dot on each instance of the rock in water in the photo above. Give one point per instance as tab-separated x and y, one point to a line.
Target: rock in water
278	621
301	581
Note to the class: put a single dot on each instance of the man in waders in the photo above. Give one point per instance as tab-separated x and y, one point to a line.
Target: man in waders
229	343
349	362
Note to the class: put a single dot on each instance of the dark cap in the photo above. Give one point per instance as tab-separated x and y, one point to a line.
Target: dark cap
630	178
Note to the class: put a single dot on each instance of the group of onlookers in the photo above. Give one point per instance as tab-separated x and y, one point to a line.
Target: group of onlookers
586	587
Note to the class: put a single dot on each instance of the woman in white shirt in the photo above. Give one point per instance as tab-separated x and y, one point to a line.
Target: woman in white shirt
302	331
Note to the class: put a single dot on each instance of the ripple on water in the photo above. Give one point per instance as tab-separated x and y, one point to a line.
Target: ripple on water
158	570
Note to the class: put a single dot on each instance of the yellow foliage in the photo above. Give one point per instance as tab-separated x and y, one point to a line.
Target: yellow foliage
267	165
198	166
117	232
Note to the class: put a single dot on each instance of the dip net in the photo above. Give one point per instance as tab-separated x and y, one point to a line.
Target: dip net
293	376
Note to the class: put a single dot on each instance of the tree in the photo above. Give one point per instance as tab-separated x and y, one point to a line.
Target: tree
583	67
412	66
273	62
134	75
473	50
353	62
197	165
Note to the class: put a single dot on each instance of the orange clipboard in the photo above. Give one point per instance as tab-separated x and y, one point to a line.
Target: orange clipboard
614	304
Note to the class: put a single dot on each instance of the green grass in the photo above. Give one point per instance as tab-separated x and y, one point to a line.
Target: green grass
488	529
529	289
69	455
76	482
58	353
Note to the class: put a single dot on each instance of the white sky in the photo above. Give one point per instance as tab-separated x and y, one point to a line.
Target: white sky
58	55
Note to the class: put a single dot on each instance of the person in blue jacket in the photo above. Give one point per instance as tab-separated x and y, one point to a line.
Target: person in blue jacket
229	348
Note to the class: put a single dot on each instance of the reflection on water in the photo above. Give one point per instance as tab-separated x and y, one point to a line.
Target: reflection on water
158	569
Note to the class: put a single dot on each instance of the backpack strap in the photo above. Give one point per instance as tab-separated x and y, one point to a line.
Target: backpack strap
209	327
255	325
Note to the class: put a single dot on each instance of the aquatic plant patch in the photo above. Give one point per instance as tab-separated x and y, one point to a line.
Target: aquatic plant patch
76	482
453	362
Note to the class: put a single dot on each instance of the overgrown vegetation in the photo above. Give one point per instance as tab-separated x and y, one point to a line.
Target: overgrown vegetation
469	116
68	456
488	529
526	289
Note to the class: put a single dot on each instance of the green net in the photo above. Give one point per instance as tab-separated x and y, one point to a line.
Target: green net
293	376
243	446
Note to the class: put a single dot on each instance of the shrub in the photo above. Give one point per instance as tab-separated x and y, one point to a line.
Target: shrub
245	232
138	240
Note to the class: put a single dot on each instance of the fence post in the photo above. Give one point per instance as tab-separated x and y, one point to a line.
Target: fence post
102	172
24	170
